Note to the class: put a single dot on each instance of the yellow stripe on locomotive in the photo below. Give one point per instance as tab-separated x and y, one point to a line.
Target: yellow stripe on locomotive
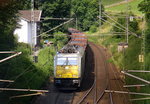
67	71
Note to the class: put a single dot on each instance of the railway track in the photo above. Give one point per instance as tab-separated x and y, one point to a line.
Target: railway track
98	90
97	79
54	96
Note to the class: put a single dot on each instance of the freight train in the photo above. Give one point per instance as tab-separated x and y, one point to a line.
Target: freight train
69	61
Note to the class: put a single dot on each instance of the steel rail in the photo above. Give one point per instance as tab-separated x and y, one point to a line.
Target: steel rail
88	92
98	98
106	72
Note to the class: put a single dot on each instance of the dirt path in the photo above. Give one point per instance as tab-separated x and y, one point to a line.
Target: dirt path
119	3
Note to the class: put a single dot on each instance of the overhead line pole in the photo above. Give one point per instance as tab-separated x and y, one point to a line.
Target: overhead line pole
127	23
100	13
32	24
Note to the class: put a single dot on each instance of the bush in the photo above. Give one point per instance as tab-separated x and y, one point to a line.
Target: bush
93	29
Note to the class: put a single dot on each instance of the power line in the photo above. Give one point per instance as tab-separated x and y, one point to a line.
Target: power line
54	28
119	24
46	18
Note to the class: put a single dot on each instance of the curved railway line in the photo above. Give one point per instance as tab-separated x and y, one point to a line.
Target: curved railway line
99	76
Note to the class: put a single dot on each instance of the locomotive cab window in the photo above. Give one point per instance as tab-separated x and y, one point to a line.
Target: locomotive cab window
67	61
61	61
72	61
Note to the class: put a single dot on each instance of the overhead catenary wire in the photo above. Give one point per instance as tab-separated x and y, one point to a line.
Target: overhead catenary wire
112	24
54	28
120	24
46	18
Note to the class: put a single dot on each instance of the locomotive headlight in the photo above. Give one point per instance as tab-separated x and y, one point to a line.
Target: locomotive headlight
66	67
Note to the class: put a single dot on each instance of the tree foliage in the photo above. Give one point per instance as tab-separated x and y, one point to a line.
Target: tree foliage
54	9
87	12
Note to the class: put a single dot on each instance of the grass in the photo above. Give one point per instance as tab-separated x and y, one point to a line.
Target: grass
109	2
133	6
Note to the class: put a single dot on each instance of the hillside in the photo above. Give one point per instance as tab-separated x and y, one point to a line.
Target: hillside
109	2
133	7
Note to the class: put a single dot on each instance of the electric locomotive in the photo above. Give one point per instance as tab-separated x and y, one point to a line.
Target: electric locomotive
69	62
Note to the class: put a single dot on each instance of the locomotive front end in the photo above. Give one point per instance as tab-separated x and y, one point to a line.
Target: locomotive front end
67	73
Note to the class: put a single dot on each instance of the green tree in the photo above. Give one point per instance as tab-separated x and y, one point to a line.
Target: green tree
54	9
87	12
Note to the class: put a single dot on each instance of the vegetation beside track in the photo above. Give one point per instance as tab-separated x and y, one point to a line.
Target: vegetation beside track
129	59
29	75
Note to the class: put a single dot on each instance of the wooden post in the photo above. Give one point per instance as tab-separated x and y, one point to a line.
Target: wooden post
7	52
138	71
10	57
140	85
26	90
140	99
133	76
125	92
39	93
1	80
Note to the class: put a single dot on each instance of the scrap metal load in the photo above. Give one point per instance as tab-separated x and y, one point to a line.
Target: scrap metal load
77	41
69	62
